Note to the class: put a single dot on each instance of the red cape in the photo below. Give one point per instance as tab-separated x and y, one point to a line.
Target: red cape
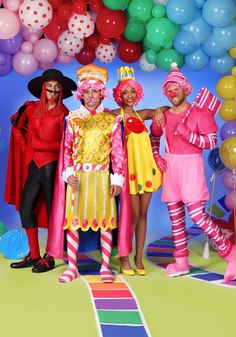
17	171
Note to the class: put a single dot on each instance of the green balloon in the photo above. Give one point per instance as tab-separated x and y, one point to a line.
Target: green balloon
2	228
116	5
148	45
151	56
168	45
140	9
160	31
135	30
165	57
158	11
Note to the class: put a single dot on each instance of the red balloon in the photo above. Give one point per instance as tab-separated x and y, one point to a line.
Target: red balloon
93	41
105	40
96	6
134	124
55	4
129	52
111	23
119	39
79	6
86	55
55	28
67	2
64	12
227	227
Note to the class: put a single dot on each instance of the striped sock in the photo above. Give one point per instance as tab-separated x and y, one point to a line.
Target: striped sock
106	243
72	249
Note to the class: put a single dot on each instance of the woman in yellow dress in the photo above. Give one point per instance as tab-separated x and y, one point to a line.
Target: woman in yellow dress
143	175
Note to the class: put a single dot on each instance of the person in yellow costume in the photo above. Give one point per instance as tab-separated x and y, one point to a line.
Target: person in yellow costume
92	143
143	175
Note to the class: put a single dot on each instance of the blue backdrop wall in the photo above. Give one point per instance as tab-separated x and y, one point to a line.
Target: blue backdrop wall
14	92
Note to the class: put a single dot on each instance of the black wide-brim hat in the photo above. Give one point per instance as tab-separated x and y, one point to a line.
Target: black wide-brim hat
36	84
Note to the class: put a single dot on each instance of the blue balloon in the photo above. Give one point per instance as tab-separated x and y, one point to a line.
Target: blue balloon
199	3
214	160
228	130
14	244
185	43
180	11
222	65
12	45
5	64
197	60
226	35
218	13
198	27
213	47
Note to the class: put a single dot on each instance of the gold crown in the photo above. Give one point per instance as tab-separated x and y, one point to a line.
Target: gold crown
125	73
92	72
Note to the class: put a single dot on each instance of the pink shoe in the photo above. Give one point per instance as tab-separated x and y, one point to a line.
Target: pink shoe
69	275
230	273
181	266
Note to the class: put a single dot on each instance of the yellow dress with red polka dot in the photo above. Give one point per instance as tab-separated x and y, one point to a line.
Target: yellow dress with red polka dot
144	176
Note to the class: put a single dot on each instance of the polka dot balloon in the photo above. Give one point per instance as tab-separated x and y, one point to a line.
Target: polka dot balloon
144	65
81	25
35	13
69	44
106	53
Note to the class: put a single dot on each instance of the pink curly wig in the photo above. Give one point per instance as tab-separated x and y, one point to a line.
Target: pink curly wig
184	84
86	84
120	88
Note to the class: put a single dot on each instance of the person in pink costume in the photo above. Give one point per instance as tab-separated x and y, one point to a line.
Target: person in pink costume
92	142
188	130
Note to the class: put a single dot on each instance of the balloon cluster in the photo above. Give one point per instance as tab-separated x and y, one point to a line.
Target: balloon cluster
41	32
226	89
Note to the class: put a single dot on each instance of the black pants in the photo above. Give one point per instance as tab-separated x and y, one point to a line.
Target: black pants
38	180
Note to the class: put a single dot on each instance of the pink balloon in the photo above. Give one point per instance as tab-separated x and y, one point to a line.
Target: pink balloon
12	5
27	47
45	50
65	59
27	33
229	179
24	64
9	24
46	66
230	200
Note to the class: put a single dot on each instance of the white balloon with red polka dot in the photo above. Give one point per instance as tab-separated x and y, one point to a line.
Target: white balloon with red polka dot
145	66
106	53
35	13
69	44
81	25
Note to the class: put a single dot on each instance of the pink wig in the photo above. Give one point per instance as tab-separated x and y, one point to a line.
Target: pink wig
120	88
184	84
86	84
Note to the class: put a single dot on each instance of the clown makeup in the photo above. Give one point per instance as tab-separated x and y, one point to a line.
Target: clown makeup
53	89
92	98
175	94
129	96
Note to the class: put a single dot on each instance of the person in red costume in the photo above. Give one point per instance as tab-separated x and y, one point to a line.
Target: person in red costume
36	134
188	129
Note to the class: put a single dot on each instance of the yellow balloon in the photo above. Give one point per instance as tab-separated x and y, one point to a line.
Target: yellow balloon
232	52
233	71
226	87
228	153
228	111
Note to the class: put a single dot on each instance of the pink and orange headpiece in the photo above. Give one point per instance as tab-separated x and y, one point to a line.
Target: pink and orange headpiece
175	76
91	76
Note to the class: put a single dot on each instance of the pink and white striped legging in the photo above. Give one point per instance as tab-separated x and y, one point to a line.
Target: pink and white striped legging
199	217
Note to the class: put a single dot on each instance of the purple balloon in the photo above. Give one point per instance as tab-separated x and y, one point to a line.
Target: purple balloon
229	179
5	64
228	130
230	200
12	45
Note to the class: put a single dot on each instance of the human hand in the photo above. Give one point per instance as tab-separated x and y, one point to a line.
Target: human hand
161	163
73	182
182	129
115	190
159	117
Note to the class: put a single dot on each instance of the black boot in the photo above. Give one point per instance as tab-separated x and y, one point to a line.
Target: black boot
25	263
45	264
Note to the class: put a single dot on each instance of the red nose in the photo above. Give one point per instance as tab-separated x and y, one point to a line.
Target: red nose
172	94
